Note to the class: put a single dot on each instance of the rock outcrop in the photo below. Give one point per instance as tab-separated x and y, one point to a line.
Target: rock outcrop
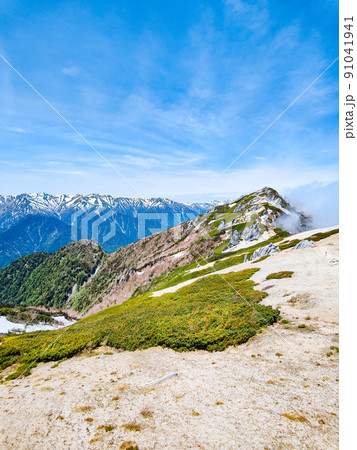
265	251
251	233
304	244
234	239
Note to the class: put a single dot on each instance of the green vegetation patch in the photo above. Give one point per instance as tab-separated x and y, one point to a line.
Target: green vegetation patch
289	244
278	275
44	279
229	262
181	277
261	259
281	233
210	314
318	236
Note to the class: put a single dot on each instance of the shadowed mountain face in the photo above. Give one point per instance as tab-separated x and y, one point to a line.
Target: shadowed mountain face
42	222
33	234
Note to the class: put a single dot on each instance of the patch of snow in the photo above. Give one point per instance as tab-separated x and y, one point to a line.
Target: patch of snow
179	254
6	326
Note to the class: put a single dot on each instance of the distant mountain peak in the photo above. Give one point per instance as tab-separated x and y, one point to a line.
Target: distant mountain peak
20	234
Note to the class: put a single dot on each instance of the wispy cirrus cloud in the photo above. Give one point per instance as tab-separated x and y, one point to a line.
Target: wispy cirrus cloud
17	130
71	71
170	97
254	14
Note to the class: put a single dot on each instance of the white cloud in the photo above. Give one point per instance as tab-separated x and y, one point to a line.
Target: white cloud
72	71
58	171
252	14
17	130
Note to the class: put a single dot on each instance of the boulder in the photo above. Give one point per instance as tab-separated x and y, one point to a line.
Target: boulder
238	209
251	233
234	239
123	278
221	225
265	251
304	244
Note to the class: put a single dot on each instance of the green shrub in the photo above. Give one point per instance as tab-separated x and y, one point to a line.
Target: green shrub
289	244
278	275
210	314
318	236
45	279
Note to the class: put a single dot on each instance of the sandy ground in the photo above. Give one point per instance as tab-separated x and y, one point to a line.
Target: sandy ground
277	391
289	257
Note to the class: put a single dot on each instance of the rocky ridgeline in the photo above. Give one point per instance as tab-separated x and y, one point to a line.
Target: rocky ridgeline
252	215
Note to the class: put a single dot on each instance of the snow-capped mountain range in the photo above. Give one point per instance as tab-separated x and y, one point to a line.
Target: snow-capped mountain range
61	206
45	222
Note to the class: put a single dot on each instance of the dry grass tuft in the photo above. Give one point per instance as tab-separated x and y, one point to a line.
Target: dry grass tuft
97	437
122	386
128	445
106	428
296	417
81	408
46	388
146	413
302	299
131	426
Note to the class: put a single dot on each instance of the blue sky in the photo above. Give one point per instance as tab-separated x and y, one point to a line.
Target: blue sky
170	93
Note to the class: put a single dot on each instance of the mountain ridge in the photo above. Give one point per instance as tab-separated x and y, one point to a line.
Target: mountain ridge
228	234
78	216
189	287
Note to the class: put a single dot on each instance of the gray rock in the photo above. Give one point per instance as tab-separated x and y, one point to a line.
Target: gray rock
234	239
221	225
123	278
245	258
251	233
265	251
239	208
304	244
